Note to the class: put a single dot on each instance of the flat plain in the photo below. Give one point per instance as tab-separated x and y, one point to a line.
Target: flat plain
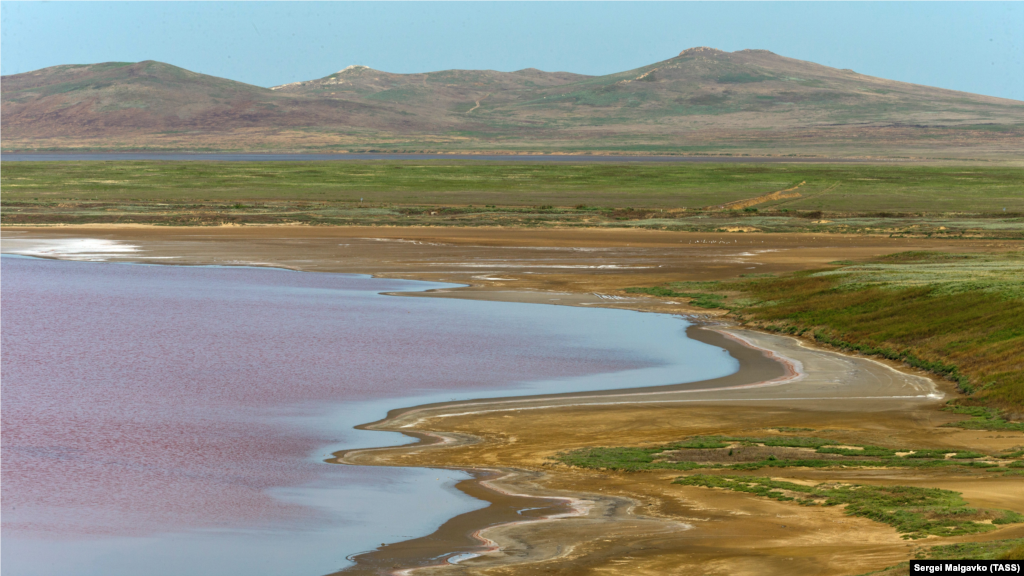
901	200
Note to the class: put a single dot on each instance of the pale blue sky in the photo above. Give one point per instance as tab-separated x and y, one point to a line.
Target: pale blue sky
970	46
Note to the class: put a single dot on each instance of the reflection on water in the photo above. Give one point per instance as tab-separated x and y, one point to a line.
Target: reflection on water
172	420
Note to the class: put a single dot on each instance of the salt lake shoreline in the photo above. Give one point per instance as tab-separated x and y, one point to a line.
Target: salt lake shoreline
508	490
762	370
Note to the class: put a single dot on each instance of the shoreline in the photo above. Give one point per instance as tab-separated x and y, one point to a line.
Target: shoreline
507	490
756	368
504	513
759	368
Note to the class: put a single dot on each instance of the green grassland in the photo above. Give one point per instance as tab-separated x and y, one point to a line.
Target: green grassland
718	452
951	202
960	316
914	512
841	187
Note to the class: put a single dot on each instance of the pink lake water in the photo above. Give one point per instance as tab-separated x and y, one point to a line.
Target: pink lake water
173	420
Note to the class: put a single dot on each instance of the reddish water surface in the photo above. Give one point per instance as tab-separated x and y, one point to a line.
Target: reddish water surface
145	400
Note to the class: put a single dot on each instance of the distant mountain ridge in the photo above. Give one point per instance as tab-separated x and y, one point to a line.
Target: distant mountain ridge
455	86
702	101
114	98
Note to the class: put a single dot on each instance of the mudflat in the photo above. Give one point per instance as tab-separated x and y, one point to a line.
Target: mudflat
565	266
579	525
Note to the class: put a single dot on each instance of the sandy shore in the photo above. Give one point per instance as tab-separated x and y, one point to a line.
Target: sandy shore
556	519
775	371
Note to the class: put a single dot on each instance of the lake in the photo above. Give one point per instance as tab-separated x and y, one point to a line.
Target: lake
174	420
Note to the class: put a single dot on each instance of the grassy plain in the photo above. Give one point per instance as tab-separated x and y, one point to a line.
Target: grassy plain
837	187
907	200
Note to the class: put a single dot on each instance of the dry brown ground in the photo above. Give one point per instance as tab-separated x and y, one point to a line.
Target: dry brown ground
577	262
731	533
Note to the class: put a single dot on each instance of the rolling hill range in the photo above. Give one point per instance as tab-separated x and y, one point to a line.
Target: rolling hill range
703	101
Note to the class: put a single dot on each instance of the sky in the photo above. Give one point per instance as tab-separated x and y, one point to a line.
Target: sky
970	46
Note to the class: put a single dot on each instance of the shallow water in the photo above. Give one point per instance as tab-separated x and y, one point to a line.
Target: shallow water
173	420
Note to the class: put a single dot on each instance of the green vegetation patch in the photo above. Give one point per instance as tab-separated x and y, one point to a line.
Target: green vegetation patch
913	511
983	418
742	78
698	299
860	188
958	316
1012	549
943	273
754	453
950	371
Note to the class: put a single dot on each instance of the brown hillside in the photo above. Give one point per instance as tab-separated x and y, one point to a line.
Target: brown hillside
701	101
116	99
449	89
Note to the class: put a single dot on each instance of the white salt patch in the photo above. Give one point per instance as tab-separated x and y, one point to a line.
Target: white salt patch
83	249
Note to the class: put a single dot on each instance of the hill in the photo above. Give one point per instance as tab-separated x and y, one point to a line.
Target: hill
701	101
450	89
121	99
